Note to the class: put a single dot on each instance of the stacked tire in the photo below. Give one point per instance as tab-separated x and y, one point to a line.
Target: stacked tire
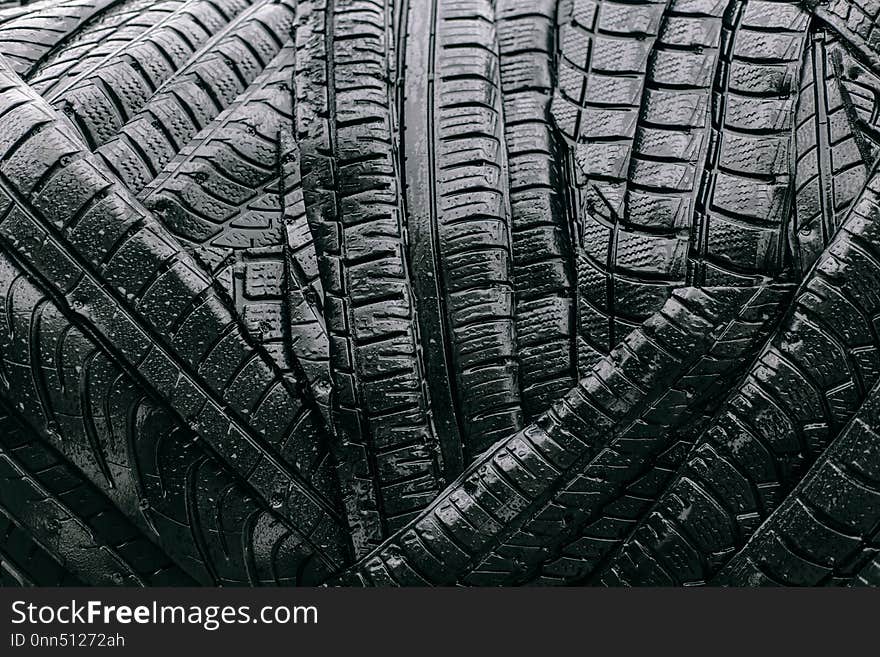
472	292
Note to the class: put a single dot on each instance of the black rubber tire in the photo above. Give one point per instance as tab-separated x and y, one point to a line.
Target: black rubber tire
60	530
502	516
278	449
669	193
30	39
825	531
543	275
476	292
805	386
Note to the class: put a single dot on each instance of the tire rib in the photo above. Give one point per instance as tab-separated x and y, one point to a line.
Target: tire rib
418	170
104	92
544	311
388	451
86	536
529	481
869	575
625	479
154	341
603	51
827	527
805	386
458	209
831	166
154	461
26	563
233	200
744	202
857	22
192	98
30	39
111	31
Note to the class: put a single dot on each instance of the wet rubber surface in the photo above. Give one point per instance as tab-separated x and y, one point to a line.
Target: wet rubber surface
453	292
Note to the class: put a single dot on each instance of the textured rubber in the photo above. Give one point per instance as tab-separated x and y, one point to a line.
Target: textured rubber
833	146
473	292
826	530
859	90
744	198
24	562
102	96
869	575
11	9
603	58
539	224
303	295
76	534
110	32
202	88
457	202
30	39
806	384
390	466
153	468
185	346
497	519
846	171
680	124
222	197
265	23
627	478
856	21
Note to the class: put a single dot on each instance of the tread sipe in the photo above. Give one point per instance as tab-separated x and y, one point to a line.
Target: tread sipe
184	345
805	386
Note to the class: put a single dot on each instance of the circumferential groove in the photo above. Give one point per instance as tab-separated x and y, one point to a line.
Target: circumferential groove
454	292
